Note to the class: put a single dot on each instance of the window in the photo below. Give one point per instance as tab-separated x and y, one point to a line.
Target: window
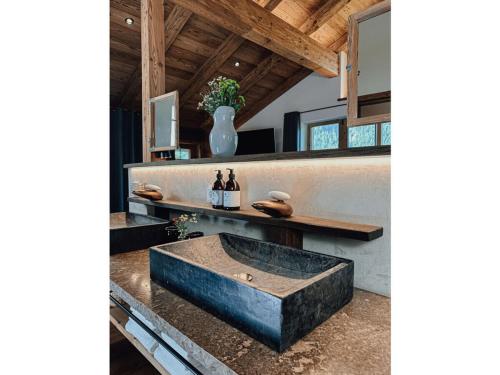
324	135
378	134
335	134
386	133
362	136
182	153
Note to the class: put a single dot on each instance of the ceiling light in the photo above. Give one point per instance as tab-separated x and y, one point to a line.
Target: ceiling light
129	21
237	63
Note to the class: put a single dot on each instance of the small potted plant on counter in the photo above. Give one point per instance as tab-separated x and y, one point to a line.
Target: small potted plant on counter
222	102
182	226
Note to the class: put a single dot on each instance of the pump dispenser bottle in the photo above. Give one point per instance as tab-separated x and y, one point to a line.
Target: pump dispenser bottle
217	196
232	193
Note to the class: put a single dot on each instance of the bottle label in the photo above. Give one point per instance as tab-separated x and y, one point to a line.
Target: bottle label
209	194
231	199
217	197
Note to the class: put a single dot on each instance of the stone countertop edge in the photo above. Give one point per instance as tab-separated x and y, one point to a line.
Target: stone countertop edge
202	360
353	341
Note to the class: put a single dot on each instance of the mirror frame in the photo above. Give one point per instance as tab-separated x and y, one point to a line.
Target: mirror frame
152	140
353	118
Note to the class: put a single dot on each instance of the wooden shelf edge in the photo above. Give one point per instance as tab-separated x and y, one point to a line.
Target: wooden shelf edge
337	228
119	319
304	155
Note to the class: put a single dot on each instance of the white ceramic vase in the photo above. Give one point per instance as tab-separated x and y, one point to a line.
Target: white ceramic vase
223	137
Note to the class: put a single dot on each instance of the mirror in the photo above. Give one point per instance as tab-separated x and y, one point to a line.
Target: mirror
165	122
374	55
369	66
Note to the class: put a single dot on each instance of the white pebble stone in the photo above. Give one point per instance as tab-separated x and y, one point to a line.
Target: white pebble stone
279	195
152	187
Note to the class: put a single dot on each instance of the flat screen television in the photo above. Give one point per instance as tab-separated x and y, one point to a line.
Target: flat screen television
259	141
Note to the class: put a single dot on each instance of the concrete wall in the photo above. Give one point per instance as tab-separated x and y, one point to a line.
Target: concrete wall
354	189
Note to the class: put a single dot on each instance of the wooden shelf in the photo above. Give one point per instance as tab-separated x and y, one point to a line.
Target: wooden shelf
363	232
351	152
118	318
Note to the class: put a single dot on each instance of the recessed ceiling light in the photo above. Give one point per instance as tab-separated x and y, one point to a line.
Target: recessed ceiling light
129	21
237	63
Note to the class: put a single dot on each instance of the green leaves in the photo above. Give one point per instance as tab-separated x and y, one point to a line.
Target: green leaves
181	224
222	92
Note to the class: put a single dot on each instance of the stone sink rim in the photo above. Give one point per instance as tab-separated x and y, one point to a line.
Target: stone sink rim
280	295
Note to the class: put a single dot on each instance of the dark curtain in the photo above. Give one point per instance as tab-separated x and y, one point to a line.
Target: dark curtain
125	147
291	131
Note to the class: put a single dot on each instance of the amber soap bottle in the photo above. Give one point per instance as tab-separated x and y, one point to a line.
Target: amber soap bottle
217	196
232	193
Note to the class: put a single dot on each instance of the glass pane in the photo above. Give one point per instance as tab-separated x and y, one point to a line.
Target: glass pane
361	136
182	153
386	133
165	123
325	137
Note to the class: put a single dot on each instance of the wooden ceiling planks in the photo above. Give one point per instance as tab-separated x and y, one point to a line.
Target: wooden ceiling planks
220	62
249	20
197	39
211	66
174	23
322	16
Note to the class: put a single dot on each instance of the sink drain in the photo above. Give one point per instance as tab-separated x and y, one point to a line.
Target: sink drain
243	276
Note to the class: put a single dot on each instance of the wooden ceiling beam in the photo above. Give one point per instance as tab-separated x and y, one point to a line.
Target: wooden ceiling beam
252	22
270	5
211	66
174	23
339	43
153	64
322	15
173	26
259	72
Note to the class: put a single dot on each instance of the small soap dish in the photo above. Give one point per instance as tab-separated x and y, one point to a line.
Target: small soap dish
275	207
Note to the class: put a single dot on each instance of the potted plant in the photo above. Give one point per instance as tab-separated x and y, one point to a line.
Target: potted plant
182	226
222	101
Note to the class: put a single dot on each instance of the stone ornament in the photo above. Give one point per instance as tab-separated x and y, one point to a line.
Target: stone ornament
275	207
279	195
148	191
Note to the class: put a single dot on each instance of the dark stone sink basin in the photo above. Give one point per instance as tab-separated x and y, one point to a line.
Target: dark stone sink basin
130	231
276	294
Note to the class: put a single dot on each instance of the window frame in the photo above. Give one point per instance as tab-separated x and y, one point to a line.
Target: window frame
343	132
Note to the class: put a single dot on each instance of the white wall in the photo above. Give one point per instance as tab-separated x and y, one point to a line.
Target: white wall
355	189
312	92
315	91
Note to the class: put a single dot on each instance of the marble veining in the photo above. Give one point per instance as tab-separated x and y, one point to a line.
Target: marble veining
356	340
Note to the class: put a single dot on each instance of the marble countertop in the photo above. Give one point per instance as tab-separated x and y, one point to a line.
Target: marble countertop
120	220
355	340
